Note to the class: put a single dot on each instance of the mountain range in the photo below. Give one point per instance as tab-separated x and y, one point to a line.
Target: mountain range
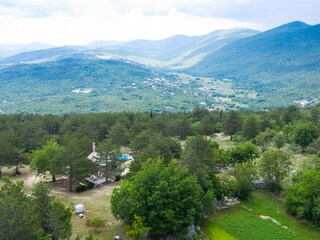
238	68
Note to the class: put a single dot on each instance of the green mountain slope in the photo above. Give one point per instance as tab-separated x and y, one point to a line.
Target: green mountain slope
94	85
282	64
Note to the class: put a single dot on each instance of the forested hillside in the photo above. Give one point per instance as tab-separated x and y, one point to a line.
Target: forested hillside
201	155
283	61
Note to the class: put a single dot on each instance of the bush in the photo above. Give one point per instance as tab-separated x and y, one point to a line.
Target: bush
96	223
118	177
82	188
90	185
224	187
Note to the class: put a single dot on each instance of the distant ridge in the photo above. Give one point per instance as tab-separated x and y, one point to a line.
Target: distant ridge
175	51
7	50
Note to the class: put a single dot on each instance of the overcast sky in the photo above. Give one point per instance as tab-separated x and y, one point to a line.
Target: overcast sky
78	22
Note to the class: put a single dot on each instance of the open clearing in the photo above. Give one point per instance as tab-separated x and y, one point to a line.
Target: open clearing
97	204
258	218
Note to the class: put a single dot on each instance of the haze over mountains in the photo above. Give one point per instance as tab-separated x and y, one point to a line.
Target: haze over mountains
7	50
256	70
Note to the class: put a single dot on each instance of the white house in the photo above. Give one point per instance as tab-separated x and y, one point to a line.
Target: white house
124	160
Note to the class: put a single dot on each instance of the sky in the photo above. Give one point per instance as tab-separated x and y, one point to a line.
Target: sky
78	22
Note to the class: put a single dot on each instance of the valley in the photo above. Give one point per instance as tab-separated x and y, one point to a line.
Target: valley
136	88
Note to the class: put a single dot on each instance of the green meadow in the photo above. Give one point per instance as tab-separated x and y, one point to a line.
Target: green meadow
244	221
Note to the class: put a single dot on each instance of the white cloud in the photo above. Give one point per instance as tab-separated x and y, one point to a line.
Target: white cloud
61	29
33	8
81	21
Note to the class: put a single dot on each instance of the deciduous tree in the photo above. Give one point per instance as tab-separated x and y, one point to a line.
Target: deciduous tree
303	196
49	158
165	196
304	134
274	167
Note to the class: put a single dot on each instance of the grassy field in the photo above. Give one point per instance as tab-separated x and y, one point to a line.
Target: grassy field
244	222
97	204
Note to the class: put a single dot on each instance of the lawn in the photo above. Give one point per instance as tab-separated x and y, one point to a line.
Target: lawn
244	222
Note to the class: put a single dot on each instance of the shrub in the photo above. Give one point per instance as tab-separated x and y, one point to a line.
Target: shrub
96	223
81	188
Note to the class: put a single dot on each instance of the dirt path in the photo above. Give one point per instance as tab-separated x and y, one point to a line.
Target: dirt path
31	180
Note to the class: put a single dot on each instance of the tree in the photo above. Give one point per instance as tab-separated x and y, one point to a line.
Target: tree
198	153
244	173
304	134
314	147
78	166
60	218
264	139
107	155
49	158
18	218
242	152
142	139
11	152
183	126
18	158
303	196
279	140
207	126
224	187
274	167
250	127
55	218
164	195
159	146
137	230
232	123
291	114
198	158
119	134
199	112
5	152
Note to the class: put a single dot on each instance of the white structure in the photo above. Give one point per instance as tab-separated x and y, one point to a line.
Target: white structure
124	161
79	208
94	156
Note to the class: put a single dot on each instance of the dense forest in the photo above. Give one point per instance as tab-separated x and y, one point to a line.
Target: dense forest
175	181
